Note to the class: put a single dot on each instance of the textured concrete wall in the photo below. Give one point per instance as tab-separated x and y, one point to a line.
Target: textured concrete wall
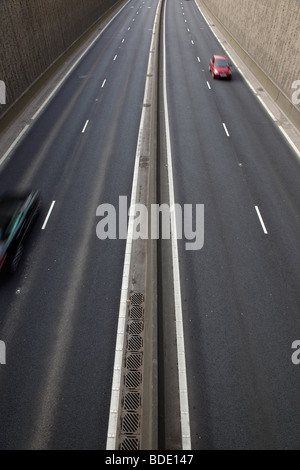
34	33
269	31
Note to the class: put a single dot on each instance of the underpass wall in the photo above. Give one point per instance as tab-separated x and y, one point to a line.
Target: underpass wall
267	34
35	33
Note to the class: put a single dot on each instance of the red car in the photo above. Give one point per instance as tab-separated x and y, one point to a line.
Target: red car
219	66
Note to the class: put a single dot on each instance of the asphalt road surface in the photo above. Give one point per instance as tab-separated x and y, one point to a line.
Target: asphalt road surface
59	313
240	292
241	296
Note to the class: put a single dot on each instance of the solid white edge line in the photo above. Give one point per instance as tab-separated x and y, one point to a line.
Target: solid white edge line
289	140
286	136
54	91
75	64
261	220
121	329
48	215
183	390
48	99
266	108
13	145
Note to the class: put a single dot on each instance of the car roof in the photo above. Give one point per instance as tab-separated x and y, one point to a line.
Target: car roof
218	56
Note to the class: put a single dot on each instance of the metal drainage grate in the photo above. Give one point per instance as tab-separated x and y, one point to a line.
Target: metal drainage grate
137	299
132	401
134	361
129	438
136	312
133	379
135	343
130	443
130	423
135	328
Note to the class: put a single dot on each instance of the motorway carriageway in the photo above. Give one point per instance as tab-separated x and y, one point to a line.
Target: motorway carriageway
240	297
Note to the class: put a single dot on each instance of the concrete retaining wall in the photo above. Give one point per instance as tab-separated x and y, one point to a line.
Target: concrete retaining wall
269	32
34	33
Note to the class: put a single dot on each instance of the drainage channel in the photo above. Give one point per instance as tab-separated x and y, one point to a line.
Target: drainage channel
147	410
131	401
133	409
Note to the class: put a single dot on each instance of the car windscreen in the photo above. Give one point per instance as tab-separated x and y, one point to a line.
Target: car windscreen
222	63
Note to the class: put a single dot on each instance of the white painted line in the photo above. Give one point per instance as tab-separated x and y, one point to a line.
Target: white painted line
103	83
289	140
261	220
123	40
198	58
192	42
225	129
13	145
85	126
121	329
48	215
48	99
208	85
246	80
266	108
115	58
188	30
183	390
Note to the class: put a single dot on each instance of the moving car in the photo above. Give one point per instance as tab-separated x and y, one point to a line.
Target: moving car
219	67
18	212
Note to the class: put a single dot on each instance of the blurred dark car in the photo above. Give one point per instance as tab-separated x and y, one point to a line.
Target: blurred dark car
220	67
18	212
